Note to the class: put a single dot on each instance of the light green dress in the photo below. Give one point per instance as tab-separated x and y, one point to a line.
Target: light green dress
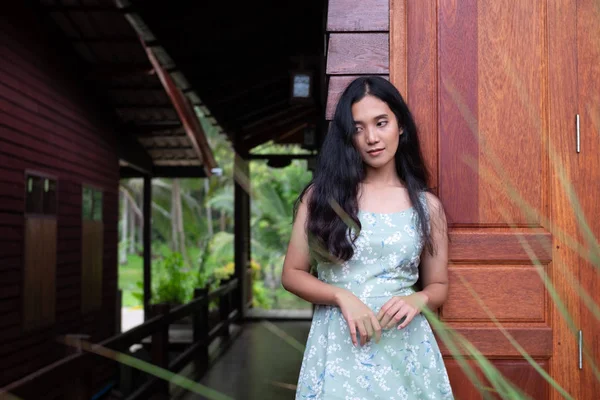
406	364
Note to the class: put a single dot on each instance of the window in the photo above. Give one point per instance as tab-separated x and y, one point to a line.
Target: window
91	204
41	195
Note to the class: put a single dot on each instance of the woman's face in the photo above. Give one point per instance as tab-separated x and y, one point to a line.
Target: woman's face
377	132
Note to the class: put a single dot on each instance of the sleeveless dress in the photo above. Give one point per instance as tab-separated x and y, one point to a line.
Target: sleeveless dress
406	364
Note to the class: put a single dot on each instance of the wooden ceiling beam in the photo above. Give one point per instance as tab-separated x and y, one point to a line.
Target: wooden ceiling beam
133	154
107	71
186	114
275	132
280	156
292	110
157	125
105	39
277	120
142	107
83	8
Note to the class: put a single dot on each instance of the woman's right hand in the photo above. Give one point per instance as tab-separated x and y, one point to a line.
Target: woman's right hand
359	317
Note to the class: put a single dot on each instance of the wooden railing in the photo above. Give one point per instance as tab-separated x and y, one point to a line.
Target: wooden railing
74	371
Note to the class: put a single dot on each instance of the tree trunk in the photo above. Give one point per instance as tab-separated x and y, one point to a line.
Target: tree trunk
180	225
131	229
274	286
140	199
209	219
177	224
223	222
175	201
124	236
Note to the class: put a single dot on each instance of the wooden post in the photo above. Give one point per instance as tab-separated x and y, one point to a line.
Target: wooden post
160	348
118	311
200	330
79	386
147	245
242	231
224	310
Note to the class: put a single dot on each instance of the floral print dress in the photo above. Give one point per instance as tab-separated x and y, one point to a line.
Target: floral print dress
406	364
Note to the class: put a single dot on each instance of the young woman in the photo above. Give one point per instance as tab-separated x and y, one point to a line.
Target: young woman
374	230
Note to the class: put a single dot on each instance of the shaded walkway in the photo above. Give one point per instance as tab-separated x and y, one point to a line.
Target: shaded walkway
262	363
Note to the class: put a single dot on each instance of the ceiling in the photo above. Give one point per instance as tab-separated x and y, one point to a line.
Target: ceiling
155	61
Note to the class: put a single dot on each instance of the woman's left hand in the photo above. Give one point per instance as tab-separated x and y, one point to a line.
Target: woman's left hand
401	307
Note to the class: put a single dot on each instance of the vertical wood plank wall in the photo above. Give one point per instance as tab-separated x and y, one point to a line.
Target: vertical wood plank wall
50	123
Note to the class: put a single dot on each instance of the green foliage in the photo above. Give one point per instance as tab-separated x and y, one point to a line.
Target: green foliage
172	281
260	295
208	260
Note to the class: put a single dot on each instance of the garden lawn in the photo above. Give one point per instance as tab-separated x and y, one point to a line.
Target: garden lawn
129	275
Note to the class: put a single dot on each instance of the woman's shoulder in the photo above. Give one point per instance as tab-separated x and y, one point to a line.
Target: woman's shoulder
430	198
432	203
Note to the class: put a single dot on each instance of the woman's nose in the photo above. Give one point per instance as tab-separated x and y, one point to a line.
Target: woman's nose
371	137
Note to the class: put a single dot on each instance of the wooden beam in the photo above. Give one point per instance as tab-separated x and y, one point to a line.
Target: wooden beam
168	153
132	152
128	172
106	39
292	110
280	156
186	114
157	125
116	71
275	131
91	8
179	172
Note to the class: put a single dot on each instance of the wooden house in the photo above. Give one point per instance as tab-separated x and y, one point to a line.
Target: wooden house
505	94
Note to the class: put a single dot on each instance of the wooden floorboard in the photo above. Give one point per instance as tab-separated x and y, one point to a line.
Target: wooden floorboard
261	364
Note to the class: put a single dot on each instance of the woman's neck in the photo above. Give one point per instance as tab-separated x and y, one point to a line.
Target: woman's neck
384	176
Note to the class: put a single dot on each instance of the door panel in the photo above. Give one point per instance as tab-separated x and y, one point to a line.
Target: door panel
588	184
489	84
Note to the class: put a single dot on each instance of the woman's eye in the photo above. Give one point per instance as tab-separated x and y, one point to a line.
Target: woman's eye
358	129
382	123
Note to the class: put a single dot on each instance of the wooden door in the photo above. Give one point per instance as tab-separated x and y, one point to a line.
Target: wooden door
491	85
588	181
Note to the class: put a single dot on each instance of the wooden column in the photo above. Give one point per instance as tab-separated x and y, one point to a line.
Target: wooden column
242	230
147	244
160	350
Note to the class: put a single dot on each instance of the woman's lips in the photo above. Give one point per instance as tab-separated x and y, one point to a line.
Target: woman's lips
375	152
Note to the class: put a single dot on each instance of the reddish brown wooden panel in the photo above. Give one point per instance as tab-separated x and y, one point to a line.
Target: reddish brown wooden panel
26	134
537	341
511	79
30	159
350	15
499	245
51	125
422	79
463	387
524	376
358	53
337	85
510	293
588	178
458	110
47	112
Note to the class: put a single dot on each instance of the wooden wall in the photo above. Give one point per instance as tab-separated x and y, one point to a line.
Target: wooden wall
358	44
51	123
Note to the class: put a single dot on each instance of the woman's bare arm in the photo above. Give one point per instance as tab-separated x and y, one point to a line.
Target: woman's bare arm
296	276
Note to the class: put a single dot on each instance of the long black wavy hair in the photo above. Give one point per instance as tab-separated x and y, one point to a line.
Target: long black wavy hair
333	202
